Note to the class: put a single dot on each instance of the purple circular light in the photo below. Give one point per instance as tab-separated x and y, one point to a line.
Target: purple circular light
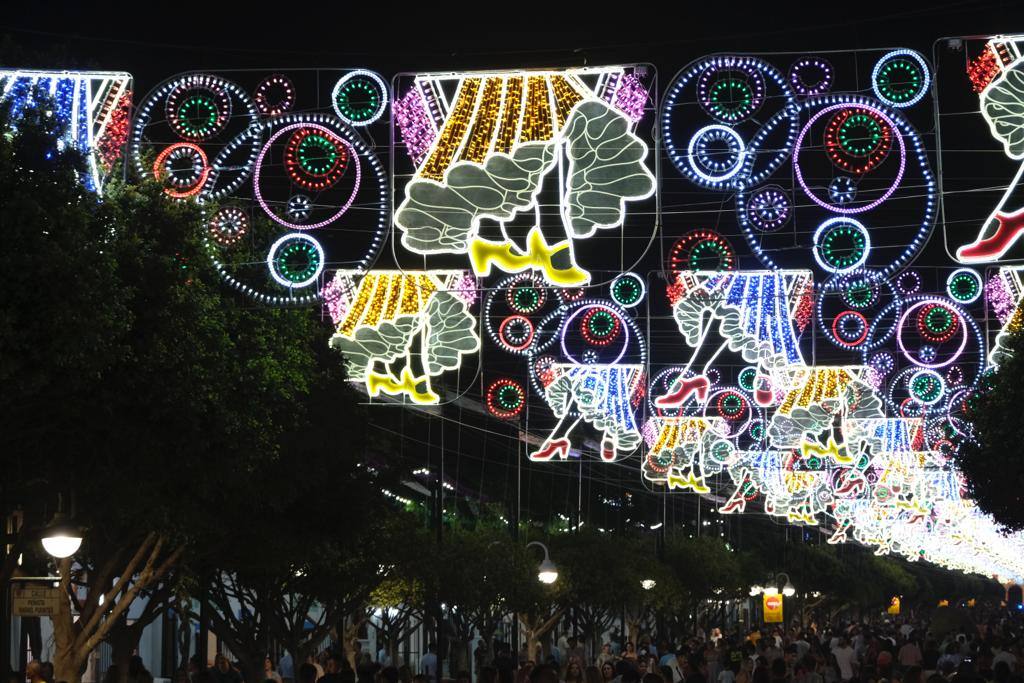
259	163
832	207
802	87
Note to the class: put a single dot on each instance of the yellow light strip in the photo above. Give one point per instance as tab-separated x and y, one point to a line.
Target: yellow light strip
509	115
485	122
537	115
454	131
566	97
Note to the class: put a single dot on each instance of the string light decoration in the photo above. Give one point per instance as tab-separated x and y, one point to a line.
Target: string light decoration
768	208
628	290
811	76
841	244
398	330
360	97
505	398
228	226
900	78
499	138
198	107
295	260
701	250
183	169
731	91
315	159
964	285
274	95
857	140
91	111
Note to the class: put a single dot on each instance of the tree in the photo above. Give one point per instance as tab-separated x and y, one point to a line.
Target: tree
142	388
993	461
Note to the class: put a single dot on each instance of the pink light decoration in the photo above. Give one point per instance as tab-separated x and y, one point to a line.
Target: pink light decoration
465	288
650	432
415	123
631	97
337	295
1000	300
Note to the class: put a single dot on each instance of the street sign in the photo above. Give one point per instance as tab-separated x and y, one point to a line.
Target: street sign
35	601
772	605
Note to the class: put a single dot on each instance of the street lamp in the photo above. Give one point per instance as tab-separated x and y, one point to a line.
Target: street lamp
788	589
547	572
648	584
60	538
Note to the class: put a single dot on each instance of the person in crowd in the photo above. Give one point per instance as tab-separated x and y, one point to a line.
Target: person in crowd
307	673
268	671
629	653
607	671
286	668
573	672
223	672
34	671
487	674
428	663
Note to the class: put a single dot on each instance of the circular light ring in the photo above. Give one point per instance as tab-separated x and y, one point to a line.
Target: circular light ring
628	290
660	461
570	294
804	87
600	326
175	186
882	362
730	93
964	286
937	323
524	293
872	110
359	83
928	353
732	404
860	292
842	190
198	107
849	329
900	78
554	326
353	154
274	95
298	208
769	208
690	249
831	236
315	161
905	132
590	357
954	375
747	377
857	140
909	282
963	321
517	330
223	160
297	246
505	398
228	226
515	333
756	430
715	154
674	100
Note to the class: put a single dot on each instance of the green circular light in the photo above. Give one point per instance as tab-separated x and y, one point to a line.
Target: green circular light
358	99
601	323
964	287
197	115
317	155
746	378
730	99
938	320
627	289
860	135
900	80
842	247
926	388
297	261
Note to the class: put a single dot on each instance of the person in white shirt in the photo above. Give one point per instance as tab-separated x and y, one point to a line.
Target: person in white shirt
428	663
846	660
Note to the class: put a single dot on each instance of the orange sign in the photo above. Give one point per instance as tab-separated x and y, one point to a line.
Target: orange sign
772	608
894	605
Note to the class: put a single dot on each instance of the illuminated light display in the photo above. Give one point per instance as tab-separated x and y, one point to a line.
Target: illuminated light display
768	208
183	169
295	260
701	250
398	330
228	226
681	390
631	97
811	76
841	244
964	285
501	139
901	78
91	109
198	107
603	396
628	290
715	154
857	139
983	69
416	125
359	97
505	398
731	92
274	95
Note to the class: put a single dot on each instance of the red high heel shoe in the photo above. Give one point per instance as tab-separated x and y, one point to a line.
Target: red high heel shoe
550	448
607	450
684	387
1011	227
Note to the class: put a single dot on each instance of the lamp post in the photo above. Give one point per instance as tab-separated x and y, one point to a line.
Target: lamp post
60	538
770	588
547	572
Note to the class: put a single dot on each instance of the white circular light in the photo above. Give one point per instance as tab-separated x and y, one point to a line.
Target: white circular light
272	266
62	546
